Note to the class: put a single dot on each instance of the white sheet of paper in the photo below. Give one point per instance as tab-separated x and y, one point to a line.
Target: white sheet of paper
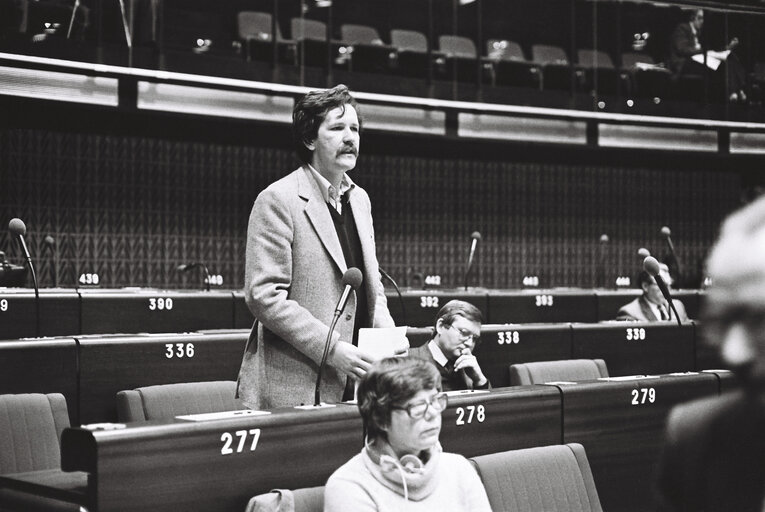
714	59
384	341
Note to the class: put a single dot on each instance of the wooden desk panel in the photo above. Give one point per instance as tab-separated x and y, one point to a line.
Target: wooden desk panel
621	426
41	366
542	306
59	313
632	348
503	345
109	364
145	310
421	306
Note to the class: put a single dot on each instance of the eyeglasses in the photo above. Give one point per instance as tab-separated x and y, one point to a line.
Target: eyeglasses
418	410
466	335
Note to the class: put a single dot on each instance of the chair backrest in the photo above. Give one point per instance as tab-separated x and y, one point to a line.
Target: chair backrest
255	25
594	59
302	28
409	40
170	400
309	499
359	34
30	431
548	54
502	49
550	478
550	371
457	46
629	59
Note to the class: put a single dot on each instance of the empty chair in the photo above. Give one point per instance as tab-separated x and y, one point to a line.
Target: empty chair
254	29
556	68
368	51
311	39
600	74
412	48
170	400
510	64
551	478
550	371
460	54
648	79
31	425
30	441
309	499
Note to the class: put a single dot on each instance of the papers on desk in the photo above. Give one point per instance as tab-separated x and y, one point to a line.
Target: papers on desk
714	59
244	413
384	342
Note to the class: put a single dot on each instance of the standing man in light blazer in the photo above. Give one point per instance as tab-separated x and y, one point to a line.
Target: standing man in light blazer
305	231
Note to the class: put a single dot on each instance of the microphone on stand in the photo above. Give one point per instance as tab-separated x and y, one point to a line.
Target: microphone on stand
602	260
51	243
400	298
352	279
651	265
643	253
17	227
476	236
185	267
666	232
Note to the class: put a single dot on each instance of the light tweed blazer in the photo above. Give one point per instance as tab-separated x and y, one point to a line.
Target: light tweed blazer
292	284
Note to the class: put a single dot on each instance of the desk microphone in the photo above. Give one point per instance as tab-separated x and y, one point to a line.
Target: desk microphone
400	298
185	267
602	260
51	243
352	279
17	227
643	253
666	232
651	266
476	236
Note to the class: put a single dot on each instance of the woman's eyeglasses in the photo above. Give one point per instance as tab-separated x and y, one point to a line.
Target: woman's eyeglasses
418	410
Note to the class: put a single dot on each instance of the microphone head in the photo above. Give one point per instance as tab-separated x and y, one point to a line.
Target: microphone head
49	240
651	266
353	278
182	267
475	235
17	227
643	252
604	238
665	231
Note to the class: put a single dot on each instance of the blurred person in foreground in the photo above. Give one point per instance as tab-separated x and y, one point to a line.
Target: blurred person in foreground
651	306
402	465
457	333
714	455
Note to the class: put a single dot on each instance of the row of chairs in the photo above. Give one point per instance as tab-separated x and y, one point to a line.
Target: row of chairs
505	64
550	478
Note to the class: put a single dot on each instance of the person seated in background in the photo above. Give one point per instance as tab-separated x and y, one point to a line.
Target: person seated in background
685	44
651	306
714	453
402	465
458	330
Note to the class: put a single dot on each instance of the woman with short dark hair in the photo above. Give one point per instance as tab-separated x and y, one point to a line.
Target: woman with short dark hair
402	465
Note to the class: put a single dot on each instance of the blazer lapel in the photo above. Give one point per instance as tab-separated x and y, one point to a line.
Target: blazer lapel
647	311
321	220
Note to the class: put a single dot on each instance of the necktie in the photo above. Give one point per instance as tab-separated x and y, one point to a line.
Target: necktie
663	313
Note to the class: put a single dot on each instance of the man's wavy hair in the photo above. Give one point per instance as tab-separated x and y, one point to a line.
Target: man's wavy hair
311	111
391	383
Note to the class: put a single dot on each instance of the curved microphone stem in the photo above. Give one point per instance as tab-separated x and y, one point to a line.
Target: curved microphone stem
400	298
317	393
36	285
470	261
668	297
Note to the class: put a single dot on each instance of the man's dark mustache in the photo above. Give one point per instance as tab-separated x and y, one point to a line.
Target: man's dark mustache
349	149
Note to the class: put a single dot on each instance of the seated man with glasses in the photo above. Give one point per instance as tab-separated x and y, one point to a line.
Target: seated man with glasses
402	466
458	330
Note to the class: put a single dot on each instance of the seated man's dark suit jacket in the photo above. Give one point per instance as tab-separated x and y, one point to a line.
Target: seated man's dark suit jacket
640	311
714	457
